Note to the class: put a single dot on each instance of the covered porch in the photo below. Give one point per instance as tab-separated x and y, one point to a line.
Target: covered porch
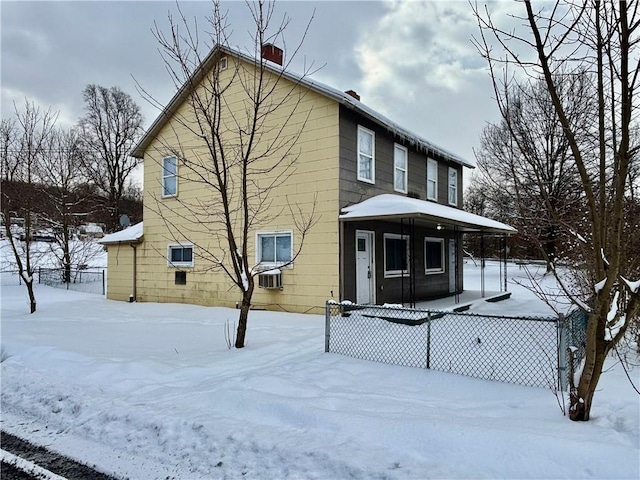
396	249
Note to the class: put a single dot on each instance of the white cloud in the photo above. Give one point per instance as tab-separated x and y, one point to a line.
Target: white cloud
428	43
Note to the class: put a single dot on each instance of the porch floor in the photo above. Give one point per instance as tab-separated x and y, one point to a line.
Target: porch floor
467	299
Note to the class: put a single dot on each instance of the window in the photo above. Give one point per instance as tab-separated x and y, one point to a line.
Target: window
400	169
366	155
169	177
396	255
181	277
453	186
433	255
274	248
223	63
179	255
432	179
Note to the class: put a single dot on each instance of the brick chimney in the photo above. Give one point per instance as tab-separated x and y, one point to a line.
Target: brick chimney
353	94
272	53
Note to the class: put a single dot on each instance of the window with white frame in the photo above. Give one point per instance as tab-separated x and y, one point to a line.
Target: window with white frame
432	179
400	162
433	255
396	255
366	155
453	186
180	255
169	176
274	249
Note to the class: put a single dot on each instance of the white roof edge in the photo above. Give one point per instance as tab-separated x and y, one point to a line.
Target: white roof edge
396	206
132	234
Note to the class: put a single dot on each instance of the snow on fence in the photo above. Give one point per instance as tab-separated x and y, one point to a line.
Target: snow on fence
523	350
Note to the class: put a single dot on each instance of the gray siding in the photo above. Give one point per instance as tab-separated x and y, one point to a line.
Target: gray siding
353	190
390	290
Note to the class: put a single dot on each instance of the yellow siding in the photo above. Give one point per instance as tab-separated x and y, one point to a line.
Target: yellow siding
119	272
314	275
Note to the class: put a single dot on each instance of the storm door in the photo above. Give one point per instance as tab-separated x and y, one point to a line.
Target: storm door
365	281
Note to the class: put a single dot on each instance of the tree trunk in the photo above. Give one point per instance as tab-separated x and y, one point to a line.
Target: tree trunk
242	322
580	408
32	297
595	355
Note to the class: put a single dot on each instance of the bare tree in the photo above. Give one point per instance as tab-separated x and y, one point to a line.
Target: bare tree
60	171
110	128
244	119
34	127
8	147
564	38
526	159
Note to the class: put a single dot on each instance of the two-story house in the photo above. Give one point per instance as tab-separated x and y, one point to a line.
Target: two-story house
388	207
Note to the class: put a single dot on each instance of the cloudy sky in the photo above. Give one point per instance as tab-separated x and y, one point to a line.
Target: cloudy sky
412	61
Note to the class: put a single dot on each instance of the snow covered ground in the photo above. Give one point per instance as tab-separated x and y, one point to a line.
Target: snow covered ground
151	391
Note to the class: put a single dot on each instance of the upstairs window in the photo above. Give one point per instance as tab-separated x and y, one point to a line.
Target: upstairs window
400	169
169	177
274	248
453	186
180	255
366	155
396	255
432	179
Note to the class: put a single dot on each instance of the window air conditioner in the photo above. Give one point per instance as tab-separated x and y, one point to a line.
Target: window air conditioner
270	279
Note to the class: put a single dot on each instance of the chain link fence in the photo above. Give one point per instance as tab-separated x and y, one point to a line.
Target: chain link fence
77	279
522	350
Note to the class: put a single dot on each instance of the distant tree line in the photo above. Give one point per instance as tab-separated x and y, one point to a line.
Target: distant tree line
58	178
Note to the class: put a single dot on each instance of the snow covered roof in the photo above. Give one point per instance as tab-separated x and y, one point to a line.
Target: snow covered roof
396	207
133	234
341	97
93	228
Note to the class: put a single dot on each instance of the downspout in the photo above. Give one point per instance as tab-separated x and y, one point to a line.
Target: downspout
133	296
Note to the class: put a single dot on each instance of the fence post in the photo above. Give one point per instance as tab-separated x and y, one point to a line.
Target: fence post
563	360
103	289
327	324
428	340
39	275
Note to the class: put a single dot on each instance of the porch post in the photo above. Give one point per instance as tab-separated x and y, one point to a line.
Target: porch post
401	272
482	264
412	273
504	243
455	263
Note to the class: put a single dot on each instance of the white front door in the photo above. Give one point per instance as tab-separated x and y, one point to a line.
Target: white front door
364	268
452	266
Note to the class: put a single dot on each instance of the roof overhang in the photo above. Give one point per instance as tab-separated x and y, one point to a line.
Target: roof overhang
129	236
397	208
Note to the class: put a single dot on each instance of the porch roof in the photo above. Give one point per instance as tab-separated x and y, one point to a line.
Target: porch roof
394	208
